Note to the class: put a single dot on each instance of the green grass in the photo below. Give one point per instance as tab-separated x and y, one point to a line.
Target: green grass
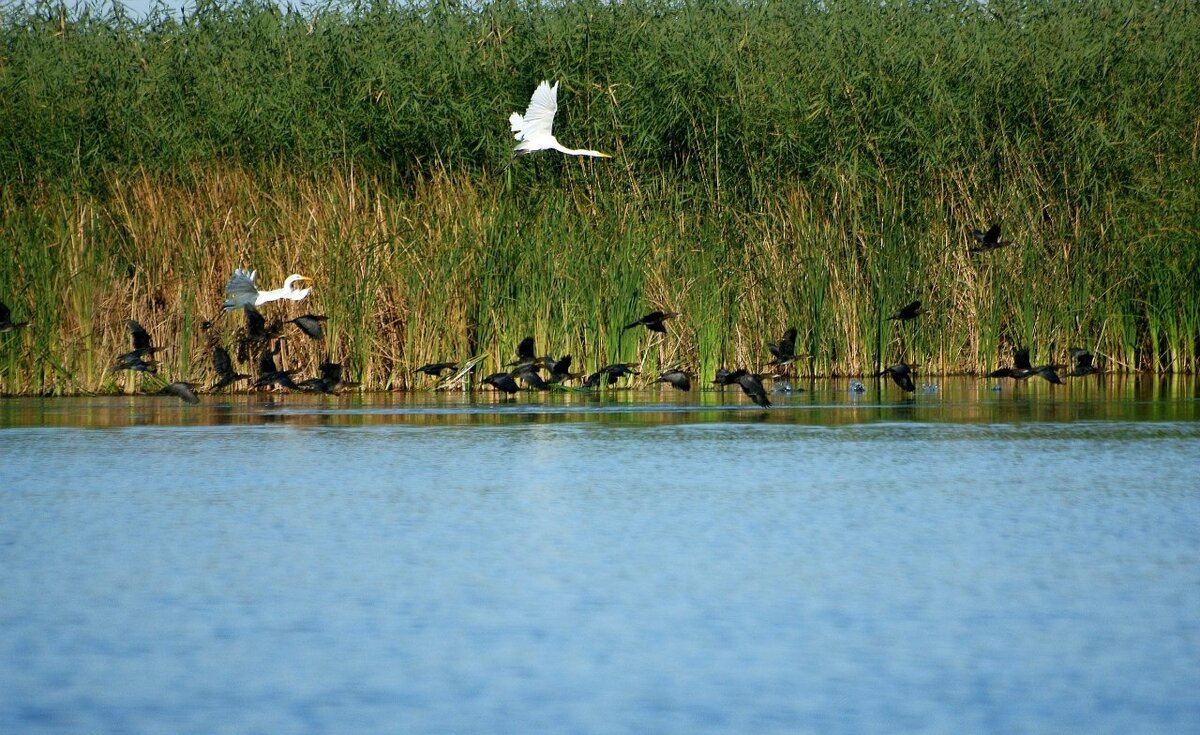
814	165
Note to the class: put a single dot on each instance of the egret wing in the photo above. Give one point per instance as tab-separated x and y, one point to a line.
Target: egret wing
539	117
241	289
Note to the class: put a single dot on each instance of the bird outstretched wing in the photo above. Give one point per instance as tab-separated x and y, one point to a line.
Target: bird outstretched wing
538	119
241	289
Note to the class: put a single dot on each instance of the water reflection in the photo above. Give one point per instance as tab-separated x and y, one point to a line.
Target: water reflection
823	402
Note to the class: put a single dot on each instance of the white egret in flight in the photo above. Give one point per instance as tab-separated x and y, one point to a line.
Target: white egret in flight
532	130
243	292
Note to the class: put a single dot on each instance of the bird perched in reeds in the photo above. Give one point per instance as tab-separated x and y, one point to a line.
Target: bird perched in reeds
181	390
534	129
503	382
901	376
242	290
653	321
783	352
907	312
223	367
310	324
609	374
435	369
269	373
750	384
678	379
6	322
1083	362
985	241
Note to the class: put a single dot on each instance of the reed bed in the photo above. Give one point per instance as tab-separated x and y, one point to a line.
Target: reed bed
815	165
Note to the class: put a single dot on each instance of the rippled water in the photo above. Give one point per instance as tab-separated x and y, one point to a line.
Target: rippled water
965	561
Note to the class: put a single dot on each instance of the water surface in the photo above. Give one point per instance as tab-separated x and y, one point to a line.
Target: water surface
965	560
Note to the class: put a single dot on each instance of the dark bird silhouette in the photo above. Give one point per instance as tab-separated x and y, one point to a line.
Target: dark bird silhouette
502	382
560	370
784	351
223	366
653	321
133	361
723	378
1083	362
269	374
1021	368
329	381
256	332
907	312
6	322
678	379
985	241
901	376
141	340
183	391
525	352
141	357
609	374
528	375
310	324
1049	373
751	385
435	369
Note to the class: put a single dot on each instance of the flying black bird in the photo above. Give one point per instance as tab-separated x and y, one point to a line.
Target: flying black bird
901	376
434	369
560	369
908	311
722	377
6	322
133	361
985	241
1021	368
502	382
1083	362
751	385
526	354
224	369
269	374
141	340
678	379
653	321
310	324
181	390
784	351
528	374
609	374
329	381
1049	373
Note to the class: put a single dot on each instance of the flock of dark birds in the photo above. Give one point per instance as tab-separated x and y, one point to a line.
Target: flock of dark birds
257	341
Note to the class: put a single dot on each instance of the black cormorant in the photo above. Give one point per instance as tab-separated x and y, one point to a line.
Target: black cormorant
653	321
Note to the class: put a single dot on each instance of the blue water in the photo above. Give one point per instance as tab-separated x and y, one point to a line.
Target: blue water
547	569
